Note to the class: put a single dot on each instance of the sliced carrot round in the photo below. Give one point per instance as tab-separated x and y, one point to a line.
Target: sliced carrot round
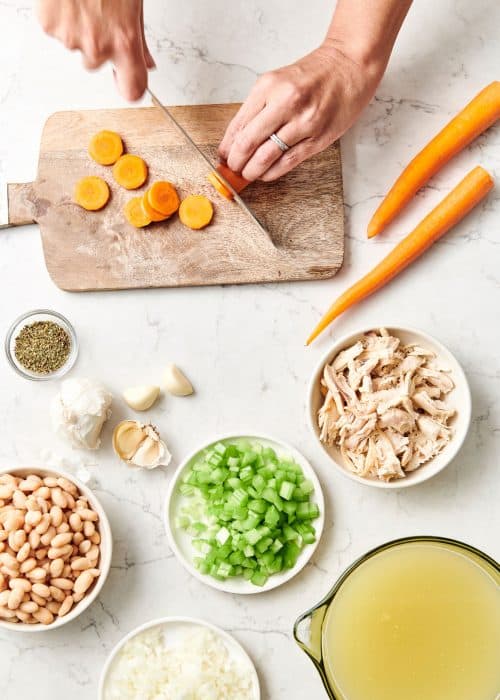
105	147
91	193
219	185
196	211
135	214
163	197
152	213
130	171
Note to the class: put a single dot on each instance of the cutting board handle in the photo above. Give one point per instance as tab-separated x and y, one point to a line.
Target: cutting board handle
16	205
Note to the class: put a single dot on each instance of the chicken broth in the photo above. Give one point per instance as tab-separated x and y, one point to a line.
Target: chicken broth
418	621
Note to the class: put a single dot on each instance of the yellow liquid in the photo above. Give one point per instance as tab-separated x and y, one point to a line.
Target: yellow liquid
418	621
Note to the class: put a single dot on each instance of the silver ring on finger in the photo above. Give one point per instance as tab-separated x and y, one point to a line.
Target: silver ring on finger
279	142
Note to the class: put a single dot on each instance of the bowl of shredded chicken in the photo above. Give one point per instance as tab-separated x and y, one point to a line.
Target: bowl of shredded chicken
391	407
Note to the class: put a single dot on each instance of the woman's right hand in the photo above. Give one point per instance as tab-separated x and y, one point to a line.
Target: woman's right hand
103	31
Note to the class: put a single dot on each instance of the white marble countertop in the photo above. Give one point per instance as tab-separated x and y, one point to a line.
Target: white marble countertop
243	346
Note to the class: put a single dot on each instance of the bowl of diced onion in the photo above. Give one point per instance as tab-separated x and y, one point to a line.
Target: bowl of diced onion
244	514
178	657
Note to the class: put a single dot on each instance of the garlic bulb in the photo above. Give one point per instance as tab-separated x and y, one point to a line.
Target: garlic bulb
79	412
140	398
140	445
176	382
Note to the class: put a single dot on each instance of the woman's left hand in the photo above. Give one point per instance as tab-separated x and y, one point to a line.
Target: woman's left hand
308	105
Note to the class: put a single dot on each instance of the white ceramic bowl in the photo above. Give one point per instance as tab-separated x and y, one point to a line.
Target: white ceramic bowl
106	547
176	627
180	541
459	398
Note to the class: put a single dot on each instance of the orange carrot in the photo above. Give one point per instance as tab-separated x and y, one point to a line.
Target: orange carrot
237	182
91	193
135	214
106	147
196	211
452	209
163	197
130	172
476	117
149	211
219	185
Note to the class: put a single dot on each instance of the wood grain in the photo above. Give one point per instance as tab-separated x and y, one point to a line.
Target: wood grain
85	251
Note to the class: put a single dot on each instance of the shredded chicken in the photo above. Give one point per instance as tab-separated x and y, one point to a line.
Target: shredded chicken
385	406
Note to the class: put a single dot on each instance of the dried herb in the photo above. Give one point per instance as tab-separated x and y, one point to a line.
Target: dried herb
42	347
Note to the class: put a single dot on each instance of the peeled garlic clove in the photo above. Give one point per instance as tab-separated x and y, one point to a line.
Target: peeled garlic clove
140	398
176	382
140	445
127	436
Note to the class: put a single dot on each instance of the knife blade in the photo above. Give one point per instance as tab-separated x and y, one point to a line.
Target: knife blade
243	206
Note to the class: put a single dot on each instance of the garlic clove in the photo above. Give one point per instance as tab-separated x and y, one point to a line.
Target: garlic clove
176	382
140	445
151	453
142	397
127	437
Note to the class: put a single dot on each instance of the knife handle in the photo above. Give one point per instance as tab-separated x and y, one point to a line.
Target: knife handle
235	180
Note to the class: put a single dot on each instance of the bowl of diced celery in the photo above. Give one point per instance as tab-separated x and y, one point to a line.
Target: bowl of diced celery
244	514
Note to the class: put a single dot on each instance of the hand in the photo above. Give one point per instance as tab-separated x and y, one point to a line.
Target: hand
103	31
308	104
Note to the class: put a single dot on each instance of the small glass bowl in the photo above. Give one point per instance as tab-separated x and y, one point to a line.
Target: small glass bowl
25	320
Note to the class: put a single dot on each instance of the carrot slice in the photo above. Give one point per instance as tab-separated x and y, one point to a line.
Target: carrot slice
130	171
105	147
163	197
237	182
135	214
91	193
219	185
459	202
476	117
196	211
149	211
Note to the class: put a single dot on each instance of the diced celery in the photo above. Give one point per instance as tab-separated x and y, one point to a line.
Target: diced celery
259	578
286	490
290	553
246	474
264	544
247	510
223	535
252	536
220	448
249	457
272	516
257	505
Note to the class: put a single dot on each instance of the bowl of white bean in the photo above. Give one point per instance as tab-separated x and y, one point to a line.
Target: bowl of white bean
55	548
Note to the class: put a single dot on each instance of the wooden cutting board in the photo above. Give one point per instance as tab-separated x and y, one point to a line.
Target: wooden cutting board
99	250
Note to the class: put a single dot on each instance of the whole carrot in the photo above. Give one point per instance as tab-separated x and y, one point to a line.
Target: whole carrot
476	117
464	197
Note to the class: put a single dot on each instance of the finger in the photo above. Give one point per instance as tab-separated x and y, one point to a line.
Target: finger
254	104
150	62
130	68
93	54
94	61
248	140
268	153
289	160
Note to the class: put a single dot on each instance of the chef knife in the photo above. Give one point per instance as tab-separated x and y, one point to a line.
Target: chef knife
248	212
